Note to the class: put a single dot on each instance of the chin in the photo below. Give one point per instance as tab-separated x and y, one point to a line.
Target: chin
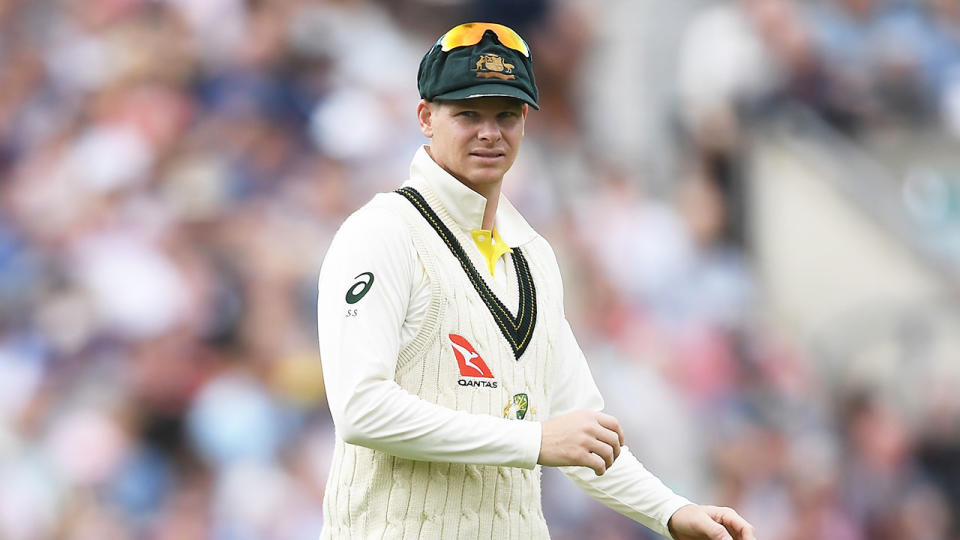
487	175
484	179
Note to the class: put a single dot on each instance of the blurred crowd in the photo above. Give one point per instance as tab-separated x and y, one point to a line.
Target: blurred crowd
172	172
860	63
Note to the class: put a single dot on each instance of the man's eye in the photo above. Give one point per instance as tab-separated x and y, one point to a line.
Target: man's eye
467	114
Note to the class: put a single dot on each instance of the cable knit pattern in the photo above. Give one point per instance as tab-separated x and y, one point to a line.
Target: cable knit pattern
375	495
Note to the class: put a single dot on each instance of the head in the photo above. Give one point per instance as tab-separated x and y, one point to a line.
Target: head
475	140
476	85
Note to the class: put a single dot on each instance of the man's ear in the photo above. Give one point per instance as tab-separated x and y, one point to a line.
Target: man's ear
425	118
523	113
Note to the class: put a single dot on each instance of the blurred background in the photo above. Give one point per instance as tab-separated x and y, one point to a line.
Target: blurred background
755	203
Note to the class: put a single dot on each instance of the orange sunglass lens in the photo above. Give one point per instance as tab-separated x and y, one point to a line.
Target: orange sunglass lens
471	33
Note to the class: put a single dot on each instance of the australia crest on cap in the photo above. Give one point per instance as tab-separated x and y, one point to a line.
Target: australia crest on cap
492	66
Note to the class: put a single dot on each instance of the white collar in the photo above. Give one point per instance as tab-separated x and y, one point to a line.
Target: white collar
465	205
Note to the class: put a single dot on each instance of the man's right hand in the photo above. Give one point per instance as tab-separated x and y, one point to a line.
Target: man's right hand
585	438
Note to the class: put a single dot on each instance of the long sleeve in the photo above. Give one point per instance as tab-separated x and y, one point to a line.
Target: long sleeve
364	292
627	486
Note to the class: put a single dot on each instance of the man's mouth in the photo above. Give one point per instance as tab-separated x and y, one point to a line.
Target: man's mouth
487	154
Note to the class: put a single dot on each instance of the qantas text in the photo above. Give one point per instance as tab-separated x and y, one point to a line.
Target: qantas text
478	384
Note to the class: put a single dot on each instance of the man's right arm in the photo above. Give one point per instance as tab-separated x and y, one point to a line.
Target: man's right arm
364	290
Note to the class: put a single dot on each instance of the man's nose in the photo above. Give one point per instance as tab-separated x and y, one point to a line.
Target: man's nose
489	131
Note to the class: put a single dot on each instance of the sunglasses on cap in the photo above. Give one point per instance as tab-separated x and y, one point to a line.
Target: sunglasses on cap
468	34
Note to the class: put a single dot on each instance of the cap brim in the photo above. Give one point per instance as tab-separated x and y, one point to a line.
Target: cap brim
489	90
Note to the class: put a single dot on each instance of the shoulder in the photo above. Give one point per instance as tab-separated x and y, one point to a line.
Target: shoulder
379	221
377	233
539	252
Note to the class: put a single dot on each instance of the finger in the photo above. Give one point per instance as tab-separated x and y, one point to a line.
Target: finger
732	521
611	423
610	437
595	462
703	525
604	450
717	532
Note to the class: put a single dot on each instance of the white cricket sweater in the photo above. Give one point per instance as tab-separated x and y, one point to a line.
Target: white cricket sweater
423	449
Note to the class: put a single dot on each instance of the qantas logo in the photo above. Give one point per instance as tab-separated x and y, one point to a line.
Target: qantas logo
470	363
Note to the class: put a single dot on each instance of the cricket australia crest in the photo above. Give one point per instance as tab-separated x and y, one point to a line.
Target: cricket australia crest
492	66
517	406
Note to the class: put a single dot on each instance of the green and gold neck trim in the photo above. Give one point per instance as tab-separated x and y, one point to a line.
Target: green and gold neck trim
517	330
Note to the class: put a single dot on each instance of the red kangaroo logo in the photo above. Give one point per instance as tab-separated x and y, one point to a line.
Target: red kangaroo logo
471	365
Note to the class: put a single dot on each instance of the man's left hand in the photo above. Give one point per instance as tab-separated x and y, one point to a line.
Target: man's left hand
695	522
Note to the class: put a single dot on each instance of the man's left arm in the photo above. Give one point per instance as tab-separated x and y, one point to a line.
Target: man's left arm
627	486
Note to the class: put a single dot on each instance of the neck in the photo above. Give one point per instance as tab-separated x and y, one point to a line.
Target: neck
490	211
491	192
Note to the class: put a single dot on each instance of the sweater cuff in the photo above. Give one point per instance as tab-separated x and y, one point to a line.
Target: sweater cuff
527	436
676	503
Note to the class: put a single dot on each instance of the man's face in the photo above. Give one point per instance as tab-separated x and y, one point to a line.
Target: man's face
475	140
